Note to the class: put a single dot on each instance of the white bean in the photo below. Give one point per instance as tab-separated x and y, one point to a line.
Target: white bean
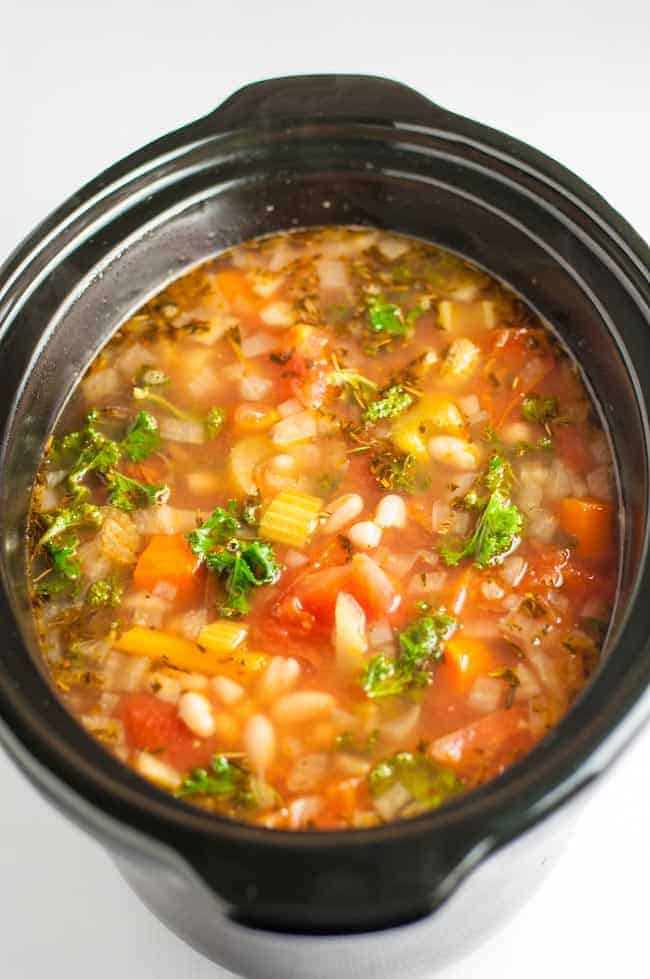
365	536
303	810
195	711
302	706
227	690
453	452
157	771
259	742
280	676
391	512
343	511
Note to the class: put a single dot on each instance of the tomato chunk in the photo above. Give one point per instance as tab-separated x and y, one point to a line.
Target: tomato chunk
151	724
483	749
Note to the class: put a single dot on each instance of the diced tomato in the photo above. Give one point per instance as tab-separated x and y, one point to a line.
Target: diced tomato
362	578
572	448
151	724
483	749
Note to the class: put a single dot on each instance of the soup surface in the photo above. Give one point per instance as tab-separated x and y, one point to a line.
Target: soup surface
327	534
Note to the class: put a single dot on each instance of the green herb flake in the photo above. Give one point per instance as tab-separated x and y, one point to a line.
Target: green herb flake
106	593
393	401
427	783
536	408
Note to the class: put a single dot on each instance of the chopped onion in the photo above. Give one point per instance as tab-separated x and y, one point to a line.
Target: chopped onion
295	428
392	248
257	345
101	385
278	314
332	275
308	772
441	517
254	388
389	803
180	430
304	810
401	727
513	569
487	694
290	407
601	483
380	633
204	384
350	639
399	565
427	582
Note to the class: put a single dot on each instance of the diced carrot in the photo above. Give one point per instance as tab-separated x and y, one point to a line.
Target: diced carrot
168	566
466	658
483	749
571	448
591	522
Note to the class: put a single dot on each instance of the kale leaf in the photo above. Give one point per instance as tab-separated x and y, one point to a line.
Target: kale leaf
535	408
125	493
106	593
142	439
421	645
499	525
224	779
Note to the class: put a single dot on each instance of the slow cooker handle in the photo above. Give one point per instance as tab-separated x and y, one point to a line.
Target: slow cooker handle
312	97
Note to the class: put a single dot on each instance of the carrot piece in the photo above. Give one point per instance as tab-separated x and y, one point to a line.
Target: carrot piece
167	565
466	658
591	522
236	289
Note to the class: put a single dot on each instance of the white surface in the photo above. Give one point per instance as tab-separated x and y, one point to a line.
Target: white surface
83	84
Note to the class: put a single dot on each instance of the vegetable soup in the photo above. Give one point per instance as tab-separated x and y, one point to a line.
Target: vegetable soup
327	534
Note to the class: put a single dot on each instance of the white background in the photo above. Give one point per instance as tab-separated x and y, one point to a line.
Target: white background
84	84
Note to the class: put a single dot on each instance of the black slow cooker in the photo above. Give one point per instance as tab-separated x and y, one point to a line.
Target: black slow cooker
289	153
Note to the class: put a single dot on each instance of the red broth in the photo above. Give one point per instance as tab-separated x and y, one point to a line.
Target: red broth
327	535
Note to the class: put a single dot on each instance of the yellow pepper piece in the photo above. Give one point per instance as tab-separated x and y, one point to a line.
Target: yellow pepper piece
431	415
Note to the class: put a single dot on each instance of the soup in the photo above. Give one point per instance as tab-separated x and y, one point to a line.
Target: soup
327	534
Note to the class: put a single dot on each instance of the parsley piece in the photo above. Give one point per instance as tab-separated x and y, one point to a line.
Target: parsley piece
498	527
142	438
426	782
421	645
125	493
538	409
95	453
106	593
223	779
394	401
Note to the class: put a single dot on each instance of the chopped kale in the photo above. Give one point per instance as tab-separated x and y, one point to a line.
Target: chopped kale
218	528
498	527
129	494
224	779
421	645
142	438
76	515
